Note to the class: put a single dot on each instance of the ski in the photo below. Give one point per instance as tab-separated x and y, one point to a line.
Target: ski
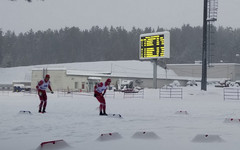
115	115
25	112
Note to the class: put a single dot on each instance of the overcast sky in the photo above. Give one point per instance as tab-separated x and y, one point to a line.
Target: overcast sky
21	16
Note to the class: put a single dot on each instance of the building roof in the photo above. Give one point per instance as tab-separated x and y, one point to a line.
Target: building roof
199	64
130	68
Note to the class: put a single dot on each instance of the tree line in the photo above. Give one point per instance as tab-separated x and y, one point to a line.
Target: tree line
71	44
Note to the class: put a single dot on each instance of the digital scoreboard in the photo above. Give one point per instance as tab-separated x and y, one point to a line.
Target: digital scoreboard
154	45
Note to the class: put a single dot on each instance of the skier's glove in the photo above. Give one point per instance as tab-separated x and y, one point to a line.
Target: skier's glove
95	95
52	92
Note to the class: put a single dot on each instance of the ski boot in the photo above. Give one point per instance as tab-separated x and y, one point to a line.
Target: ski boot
104	113
43	110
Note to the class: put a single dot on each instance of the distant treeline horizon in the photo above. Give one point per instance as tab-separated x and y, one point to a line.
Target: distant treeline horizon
71	44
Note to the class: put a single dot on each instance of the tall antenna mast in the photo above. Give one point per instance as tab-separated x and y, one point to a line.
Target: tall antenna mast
211	18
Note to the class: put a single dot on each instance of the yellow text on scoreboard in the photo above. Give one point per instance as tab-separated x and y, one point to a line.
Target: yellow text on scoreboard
154	45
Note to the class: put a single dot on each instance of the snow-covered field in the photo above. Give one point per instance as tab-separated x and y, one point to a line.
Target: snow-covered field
75	120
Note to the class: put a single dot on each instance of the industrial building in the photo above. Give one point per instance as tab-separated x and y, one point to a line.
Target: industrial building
84	76
229	71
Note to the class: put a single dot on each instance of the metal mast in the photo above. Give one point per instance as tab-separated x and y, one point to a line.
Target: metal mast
204	50
211	18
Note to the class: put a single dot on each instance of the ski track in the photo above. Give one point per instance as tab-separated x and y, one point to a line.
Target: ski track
76	120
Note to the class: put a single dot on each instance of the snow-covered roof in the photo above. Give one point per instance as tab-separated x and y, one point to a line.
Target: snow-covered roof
130	68
127	68
51	68
94	78
20	85
133	68
199	64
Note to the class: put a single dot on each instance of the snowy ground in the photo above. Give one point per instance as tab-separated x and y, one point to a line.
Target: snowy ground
76	121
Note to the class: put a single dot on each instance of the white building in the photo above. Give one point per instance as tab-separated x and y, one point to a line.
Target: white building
229	71
83	76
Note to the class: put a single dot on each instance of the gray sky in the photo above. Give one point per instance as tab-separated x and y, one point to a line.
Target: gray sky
21	16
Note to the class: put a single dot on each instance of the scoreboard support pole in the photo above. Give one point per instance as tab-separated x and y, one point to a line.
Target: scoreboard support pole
154	46
155	73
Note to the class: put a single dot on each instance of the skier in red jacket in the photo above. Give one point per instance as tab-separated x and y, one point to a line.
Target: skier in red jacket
41	88
99	91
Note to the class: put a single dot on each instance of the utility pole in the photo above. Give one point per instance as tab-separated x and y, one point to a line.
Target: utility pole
155	73
204	50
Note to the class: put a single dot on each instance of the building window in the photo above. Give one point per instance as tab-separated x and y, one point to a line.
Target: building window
76	85
83	85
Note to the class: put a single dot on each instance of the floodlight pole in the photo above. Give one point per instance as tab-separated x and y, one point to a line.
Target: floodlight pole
204	49
155	73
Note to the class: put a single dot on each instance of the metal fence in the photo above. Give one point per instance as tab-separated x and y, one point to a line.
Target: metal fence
64	93
231	93
133	94
110	94
30	93
4	92
171	93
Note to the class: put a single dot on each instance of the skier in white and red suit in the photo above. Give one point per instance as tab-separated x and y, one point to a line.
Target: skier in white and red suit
99	91
41	88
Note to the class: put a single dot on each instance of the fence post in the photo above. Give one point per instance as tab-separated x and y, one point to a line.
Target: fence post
224	94
170	92
159	96
238	94
181	93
